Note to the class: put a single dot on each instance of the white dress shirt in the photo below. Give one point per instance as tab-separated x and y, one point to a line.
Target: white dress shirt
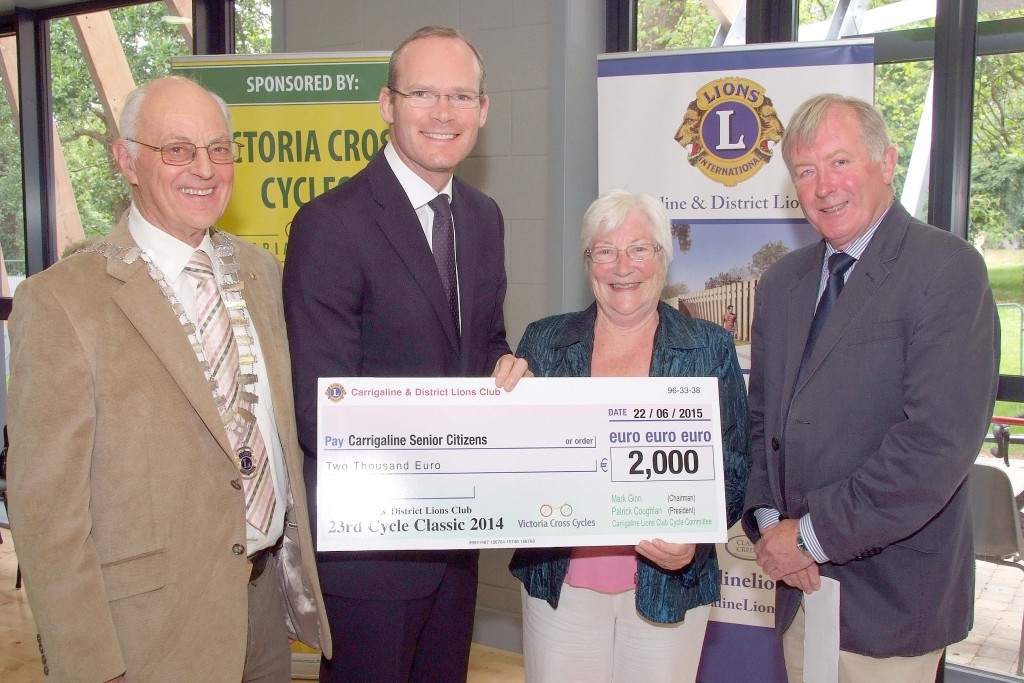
420	194
171	255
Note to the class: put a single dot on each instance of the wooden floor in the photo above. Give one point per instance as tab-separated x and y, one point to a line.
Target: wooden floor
487	665
19	653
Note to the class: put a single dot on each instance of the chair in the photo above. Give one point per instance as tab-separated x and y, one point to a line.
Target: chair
997	533
1010	388
3	484
3	498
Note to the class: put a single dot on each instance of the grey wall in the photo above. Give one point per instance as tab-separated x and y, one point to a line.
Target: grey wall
537	156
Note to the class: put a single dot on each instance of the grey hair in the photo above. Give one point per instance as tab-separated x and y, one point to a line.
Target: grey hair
608	212
132	112
431	32
810	115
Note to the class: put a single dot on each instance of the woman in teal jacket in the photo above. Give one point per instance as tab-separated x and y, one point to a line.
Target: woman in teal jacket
625	613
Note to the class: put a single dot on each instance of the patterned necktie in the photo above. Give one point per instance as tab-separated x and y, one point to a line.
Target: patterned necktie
443	246
838	264
214	326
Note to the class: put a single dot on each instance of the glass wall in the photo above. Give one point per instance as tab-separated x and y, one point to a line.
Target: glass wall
12	222
252	27
902	89
96	60
672	25
997	185
820	21
997	229
12	219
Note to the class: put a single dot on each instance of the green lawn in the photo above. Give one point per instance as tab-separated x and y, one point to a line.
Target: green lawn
1006	273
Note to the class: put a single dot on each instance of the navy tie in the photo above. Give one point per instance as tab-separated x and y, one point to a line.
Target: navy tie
838	264
443	245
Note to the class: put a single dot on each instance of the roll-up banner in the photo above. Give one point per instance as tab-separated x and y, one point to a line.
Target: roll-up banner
699	130
306	122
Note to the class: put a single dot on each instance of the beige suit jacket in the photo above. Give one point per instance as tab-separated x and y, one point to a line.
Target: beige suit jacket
129	531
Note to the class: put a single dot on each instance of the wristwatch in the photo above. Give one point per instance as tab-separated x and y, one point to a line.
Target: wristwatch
800	545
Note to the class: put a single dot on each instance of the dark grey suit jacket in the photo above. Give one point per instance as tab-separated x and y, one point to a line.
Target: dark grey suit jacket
880	434
363	298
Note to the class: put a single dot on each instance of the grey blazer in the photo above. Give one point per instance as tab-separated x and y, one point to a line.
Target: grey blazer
879	435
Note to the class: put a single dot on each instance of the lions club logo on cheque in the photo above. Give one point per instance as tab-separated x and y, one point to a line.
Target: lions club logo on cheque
729	130
335	392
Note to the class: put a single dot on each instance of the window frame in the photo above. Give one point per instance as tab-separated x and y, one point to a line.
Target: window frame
214	33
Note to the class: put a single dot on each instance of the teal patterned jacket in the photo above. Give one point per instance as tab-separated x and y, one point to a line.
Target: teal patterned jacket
562	346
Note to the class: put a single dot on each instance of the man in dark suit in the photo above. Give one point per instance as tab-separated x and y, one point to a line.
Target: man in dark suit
866	422
373	288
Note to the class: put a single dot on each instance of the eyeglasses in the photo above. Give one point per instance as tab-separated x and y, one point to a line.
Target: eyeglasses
635	252
183	153
425	99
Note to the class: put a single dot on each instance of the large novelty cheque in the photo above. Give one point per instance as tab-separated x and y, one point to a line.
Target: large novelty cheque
418	463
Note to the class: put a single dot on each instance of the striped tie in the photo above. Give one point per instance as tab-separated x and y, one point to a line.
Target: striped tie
214	325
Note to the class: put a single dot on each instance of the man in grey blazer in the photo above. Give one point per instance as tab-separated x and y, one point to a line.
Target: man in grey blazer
866	420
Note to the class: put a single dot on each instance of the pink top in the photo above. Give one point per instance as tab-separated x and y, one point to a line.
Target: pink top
608	569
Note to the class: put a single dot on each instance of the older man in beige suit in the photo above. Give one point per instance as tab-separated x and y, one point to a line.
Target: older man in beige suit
155	476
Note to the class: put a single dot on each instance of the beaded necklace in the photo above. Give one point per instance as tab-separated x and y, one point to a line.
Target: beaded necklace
239	419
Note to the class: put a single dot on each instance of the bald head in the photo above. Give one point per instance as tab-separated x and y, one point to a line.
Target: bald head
176	114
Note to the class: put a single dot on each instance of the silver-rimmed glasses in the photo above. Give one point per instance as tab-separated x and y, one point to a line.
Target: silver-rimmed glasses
425	99
182	153
636	252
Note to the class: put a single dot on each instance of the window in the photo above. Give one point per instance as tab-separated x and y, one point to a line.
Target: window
997	187
252	27
902	88
96	59
12	222
819	19
675	24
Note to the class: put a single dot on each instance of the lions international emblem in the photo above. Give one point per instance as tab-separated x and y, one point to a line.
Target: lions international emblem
335	392
730	130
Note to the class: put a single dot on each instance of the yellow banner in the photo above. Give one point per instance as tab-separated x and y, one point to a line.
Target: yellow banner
306	124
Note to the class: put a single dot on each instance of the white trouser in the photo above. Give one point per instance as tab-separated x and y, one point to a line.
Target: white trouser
598	637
